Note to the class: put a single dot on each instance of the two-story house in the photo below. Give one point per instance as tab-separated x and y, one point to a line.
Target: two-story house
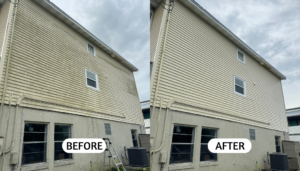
293	117
59	81
207	83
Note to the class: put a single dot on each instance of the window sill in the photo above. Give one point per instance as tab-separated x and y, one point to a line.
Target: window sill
206	164
63	162
181	166
37	166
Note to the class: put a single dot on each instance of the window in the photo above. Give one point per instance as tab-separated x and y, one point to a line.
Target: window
240	56
34	143
91	79
182	144
252	134
107	129
206	136
239	86
146	113
61	132
277	144
134	139
91	49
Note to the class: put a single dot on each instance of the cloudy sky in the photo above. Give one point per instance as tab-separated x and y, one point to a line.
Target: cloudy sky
272	29
121	24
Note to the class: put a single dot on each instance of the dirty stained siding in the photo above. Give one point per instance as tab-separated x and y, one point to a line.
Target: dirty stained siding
4	11
199	67
49	60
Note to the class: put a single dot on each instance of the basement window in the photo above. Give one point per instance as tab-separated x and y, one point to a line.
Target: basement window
240	56
252	134
34	143
61	132
239	86
277	144
182	144
91	79
91	49
207	135
107	129
134	139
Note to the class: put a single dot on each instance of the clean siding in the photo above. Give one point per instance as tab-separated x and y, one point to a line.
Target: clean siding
49	59
199	67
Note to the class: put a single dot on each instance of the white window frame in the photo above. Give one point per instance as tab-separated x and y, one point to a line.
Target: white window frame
244	95
87	48
237	56
86	83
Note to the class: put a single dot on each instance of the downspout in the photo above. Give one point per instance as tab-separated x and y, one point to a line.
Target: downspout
8	59
163	137
158	78
13	136
158	121
5	137
5	81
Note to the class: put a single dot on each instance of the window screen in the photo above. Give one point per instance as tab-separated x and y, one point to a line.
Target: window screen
206	136
134	139
252	134
239	86
91	49
182	144
34	143
277	144
107	129
241	57
91	79
61	132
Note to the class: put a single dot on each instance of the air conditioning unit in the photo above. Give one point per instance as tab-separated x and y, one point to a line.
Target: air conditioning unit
137	157
279	161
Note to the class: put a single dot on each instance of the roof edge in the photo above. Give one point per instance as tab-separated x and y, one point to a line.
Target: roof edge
194	6
84	32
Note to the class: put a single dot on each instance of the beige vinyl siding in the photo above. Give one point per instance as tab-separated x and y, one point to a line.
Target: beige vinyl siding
199	67
155	31
4	11
49	60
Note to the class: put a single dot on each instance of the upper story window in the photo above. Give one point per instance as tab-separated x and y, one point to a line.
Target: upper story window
91	79
239	86
240	56
91	49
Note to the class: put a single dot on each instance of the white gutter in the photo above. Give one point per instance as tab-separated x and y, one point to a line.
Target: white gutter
60	14
200	11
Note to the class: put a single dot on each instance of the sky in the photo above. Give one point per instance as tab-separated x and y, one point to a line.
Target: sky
272	29
123	25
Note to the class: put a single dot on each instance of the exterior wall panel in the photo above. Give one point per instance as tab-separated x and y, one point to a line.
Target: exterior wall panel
4	12
49	60
199	67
